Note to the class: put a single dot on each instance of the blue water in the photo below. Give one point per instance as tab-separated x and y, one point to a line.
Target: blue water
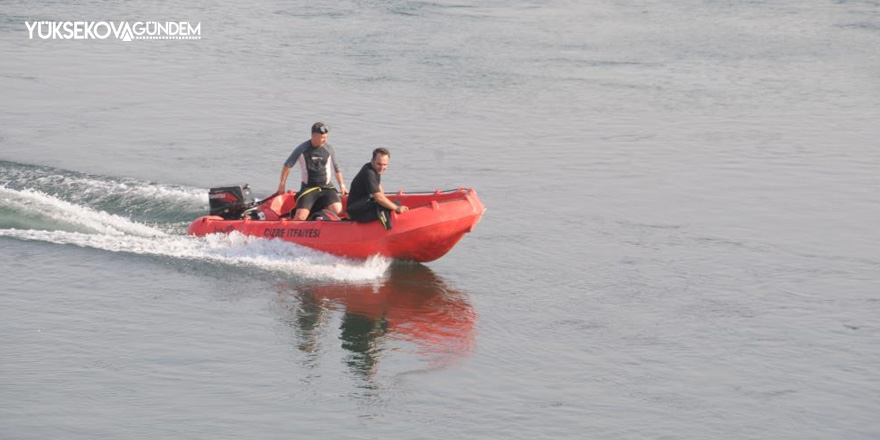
680	239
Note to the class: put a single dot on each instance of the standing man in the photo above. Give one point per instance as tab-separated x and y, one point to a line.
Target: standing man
367	201
317	160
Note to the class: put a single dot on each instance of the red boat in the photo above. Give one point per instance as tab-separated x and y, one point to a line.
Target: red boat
434	223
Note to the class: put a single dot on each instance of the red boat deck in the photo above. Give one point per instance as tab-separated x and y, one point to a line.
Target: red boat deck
433	225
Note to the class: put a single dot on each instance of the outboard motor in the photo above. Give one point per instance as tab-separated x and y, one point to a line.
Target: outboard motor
230	202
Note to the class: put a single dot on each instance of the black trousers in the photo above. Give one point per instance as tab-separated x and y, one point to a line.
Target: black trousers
367	210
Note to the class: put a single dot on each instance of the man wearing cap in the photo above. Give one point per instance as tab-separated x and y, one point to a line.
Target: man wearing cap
317	160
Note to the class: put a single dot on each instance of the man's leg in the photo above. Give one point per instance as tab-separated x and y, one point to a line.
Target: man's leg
364	215
305	203
332	201
301	214
336	208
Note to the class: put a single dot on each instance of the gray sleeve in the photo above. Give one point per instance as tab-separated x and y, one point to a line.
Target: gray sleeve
336	168
297	152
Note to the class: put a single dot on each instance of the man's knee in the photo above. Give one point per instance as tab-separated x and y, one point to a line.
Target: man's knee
336	208
301	214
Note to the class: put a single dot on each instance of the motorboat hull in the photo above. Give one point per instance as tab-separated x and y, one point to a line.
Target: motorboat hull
434	223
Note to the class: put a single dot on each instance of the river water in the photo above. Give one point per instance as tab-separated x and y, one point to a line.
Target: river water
681	238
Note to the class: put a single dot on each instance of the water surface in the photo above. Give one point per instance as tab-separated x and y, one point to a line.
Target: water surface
680	239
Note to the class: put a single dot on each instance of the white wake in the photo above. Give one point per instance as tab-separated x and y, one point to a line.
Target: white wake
113	233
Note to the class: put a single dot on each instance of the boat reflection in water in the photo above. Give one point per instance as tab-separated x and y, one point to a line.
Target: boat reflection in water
412	311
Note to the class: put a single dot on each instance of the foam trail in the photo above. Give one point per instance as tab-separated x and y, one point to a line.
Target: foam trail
69	208
143	200
82	185
234	249
97	189
37	204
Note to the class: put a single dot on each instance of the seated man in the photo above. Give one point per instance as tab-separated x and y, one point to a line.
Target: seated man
317	160
367	201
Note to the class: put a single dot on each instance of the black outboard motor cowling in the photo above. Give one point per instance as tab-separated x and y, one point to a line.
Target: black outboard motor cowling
230	202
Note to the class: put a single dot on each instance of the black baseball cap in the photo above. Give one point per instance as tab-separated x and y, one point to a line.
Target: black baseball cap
320	127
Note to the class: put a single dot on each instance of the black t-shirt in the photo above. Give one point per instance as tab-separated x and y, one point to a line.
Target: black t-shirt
364	184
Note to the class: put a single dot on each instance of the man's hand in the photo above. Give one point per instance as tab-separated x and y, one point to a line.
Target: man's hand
401	209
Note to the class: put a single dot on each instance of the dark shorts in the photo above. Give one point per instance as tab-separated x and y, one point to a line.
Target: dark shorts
363	211
367	210
316	199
